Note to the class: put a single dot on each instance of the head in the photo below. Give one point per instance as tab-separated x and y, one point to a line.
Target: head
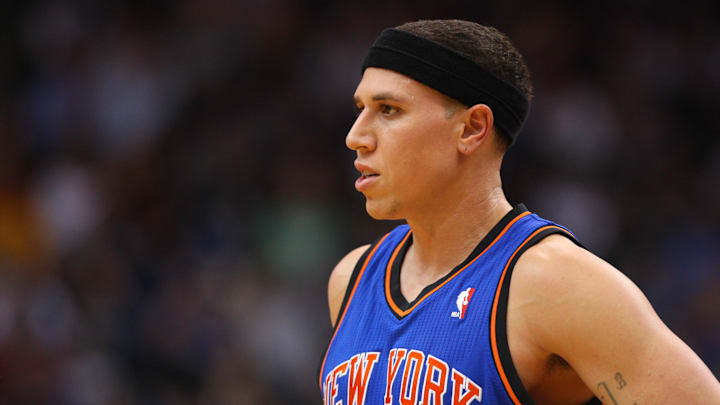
415	142
486	46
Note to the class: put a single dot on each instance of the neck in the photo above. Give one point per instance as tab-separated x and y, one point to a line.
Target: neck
444	236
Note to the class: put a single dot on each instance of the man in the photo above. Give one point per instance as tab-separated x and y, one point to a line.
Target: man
475	300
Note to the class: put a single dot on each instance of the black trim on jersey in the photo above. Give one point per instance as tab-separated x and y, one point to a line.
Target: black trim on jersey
396	293
353	279
348	291
501	317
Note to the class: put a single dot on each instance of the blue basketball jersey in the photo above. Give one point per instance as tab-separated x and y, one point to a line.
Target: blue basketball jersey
449	345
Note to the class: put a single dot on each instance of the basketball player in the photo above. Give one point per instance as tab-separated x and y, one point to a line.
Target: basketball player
474	300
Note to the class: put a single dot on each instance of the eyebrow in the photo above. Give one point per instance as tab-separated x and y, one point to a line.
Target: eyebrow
382	96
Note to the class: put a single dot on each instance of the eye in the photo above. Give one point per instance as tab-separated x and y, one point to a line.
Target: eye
358	109
387	109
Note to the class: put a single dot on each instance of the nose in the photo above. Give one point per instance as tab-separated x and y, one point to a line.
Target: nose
360	137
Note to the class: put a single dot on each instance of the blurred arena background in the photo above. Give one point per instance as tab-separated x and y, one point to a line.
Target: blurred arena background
175	189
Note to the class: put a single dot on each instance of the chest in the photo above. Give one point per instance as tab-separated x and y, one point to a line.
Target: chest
433	350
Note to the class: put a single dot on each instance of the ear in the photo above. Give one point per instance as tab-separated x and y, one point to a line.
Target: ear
478	125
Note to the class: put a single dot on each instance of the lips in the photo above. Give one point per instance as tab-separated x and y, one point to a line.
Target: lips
368	176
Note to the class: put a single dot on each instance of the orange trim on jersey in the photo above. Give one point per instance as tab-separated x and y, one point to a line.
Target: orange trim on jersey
388	296
493	316
347	305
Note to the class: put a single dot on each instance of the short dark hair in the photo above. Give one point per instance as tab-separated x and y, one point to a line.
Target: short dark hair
486	46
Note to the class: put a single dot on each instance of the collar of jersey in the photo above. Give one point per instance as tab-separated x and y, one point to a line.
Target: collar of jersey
399	306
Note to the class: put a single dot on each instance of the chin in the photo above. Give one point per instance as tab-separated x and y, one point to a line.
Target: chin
382	210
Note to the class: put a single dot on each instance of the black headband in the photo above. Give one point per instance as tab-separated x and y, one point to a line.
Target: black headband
450	73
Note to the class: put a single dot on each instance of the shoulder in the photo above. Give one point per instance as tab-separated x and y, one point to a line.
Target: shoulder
558	262
558	272
574	303
339	279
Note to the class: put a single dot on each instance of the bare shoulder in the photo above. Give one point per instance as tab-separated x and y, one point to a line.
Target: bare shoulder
565	282
558	263
558	256
339	278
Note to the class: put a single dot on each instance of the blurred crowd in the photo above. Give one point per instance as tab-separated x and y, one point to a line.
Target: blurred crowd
175	188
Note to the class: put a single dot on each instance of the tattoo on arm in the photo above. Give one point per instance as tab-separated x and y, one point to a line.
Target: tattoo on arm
606	394
602	387
620	381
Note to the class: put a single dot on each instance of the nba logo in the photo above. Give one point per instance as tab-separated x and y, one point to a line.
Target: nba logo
462	302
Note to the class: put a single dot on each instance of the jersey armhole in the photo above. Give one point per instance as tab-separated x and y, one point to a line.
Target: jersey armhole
351	282
501	350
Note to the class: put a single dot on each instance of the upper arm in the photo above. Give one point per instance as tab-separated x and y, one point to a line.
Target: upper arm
339	278
587	312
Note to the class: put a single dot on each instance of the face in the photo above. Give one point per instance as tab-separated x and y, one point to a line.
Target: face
406	142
